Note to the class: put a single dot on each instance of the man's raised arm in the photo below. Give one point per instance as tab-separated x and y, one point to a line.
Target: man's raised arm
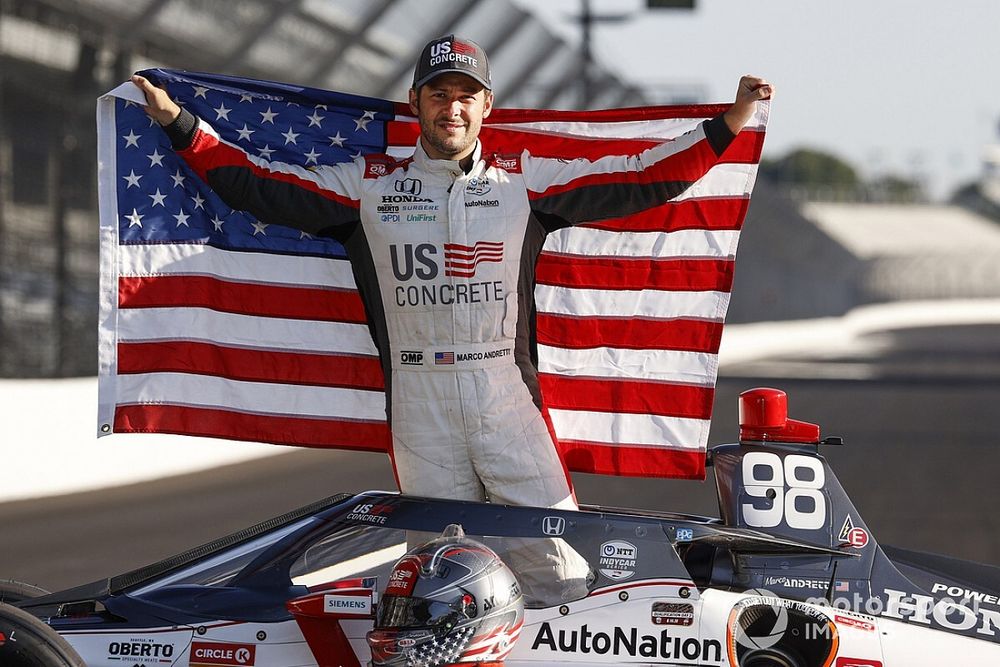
748	92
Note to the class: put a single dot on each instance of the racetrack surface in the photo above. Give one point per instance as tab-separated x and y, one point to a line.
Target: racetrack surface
920	464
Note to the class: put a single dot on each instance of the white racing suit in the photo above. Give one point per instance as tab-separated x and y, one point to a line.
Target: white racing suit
444	261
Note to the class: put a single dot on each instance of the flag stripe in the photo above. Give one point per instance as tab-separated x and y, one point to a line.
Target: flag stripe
306	303
628	333
647	303
629	461
250	267
625	273
723	180
614	428
626	396
254	365
252	397
659	365
675	168
708	213
236	330
683	243
370	436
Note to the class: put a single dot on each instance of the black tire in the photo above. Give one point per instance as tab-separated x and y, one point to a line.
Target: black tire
27	642
15	591
770	657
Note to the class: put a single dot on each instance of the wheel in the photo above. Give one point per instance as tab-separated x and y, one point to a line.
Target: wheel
27	642
770	657
15	591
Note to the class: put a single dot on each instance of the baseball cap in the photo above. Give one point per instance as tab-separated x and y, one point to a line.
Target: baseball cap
452	54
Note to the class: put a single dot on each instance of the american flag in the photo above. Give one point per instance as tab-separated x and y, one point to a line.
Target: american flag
214	323
444	358
461	260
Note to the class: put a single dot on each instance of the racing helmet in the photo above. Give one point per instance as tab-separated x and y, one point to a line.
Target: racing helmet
451	600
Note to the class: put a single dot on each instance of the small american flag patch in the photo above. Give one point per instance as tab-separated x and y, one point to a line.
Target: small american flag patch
444	357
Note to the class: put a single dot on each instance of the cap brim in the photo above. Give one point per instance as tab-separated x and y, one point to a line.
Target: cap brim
456	70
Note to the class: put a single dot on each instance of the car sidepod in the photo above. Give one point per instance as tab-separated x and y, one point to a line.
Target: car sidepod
224	643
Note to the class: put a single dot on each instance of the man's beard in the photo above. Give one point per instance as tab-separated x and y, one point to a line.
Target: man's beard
432	134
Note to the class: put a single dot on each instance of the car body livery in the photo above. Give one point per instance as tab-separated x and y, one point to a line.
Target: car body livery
789	576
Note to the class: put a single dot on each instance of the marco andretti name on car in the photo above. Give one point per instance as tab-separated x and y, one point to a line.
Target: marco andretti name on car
628	641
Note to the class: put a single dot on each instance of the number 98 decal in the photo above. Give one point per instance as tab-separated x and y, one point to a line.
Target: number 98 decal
799	478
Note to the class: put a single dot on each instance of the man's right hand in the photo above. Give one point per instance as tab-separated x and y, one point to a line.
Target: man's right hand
159	106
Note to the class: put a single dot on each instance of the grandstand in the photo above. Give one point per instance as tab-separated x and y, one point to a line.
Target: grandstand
58	56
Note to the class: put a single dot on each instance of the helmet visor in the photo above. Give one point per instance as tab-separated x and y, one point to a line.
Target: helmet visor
412	613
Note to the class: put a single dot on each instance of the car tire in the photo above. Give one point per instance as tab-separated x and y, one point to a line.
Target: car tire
27	642
15	591
770	657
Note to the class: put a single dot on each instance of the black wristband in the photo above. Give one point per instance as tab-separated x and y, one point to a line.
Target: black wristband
181	131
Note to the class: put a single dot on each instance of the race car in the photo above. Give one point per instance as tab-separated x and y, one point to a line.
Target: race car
788	576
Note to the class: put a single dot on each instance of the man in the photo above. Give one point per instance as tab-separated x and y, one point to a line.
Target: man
449	293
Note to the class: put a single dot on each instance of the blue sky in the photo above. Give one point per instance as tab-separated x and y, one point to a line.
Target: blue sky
904	86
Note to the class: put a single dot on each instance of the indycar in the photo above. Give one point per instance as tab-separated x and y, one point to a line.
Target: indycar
789	575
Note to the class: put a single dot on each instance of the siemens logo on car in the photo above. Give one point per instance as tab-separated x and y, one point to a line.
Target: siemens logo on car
628	641
360	605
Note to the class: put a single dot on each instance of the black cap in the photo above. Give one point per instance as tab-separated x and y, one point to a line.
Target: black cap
452	54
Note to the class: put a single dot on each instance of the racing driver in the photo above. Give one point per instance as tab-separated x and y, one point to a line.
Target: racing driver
449	293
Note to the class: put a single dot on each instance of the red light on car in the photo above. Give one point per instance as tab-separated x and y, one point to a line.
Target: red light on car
764	418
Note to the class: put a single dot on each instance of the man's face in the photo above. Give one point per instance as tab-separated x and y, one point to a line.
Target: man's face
451	108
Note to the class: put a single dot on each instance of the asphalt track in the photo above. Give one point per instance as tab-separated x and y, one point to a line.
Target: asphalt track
921	464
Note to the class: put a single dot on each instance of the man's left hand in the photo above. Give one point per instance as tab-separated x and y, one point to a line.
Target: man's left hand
751	89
